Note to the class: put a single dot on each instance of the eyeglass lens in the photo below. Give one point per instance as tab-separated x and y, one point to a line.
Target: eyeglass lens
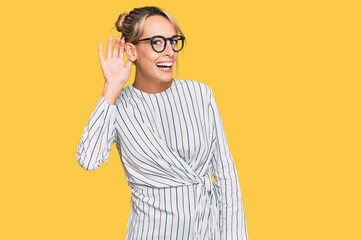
158	44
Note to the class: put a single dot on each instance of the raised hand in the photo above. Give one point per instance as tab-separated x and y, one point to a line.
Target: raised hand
115	71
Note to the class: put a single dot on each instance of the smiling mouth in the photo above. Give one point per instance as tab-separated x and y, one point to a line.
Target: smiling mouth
164	65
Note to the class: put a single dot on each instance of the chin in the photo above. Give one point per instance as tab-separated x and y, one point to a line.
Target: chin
168	79
164	77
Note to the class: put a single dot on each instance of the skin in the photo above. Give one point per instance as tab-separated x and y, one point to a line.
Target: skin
148	77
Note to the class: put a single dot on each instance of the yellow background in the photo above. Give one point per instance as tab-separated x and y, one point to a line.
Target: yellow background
286	77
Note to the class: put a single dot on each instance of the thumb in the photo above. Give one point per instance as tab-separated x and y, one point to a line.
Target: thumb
128	64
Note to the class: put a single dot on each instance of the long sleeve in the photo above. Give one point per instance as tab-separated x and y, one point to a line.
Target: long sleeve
232	216
98	136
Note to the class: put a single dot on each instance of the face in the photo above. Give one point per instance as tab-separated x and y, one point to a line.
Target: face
147	58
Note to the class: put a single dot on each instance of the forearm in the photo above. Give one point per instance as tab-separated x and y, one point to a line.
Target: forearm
232	215
98	136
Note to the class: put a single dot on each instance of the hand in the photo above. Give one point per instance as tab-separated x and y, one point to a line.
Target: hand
115	72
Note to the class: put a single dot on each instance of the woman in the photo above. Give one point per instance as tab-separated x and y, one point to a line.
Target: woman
169	134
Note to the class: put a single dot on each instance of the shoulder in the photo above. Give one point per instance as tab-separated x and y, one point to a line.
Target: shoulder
197	86
191	82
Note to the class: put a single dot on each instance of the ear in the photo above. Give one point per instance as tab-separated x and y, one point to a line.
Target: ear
131	51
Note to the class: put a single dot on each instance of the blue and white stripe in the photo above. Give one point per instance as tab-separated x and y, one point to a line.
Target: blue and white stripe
170	143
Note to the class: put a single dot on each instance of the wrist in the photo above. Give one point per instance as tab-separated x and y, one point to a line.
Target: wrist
111	93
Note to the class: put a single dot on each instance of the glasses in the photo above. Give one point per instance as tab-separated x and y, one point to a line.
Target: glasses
159	43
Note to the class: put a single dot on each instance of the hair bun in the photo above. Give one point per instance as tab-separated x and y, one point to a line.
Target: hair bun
119	22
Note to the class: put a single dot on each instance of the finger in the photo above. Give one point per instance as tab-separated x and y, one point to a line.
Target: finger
116	47
101	57
121	49
109	49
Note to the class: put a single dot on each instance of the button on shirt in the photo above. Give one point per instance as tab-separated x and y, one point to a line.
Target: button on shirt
169	144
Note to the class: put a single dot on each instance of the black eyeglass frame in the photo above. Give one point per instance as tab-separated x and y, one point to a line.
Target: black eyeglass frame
165	42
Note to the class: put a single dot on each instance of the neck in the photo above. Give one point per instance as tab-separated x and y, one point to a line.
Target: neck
149	85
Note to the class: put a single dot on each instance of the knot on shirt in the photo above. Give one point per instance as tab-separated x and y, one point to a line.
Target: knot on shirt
208	184
206	216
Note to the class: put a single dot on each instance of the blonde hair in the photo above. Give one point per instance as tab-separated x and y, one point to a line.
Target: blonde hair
131	24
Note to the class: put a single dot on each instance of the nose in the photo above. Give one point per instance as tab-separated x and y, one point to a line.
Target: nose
168	50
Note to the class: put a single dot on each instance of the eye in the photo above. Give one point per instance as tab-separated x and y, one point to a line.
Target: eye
174	41
156	42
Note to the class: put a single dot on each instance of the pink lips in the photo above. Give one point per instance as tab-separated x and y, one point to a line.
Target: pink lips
165	69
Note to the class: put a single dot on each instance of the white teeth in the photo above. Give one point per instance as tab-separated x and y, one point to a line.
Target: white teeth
167	64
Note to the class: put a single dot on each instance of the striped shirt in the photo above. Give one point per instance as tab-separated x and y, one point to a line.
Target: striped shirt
169	144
